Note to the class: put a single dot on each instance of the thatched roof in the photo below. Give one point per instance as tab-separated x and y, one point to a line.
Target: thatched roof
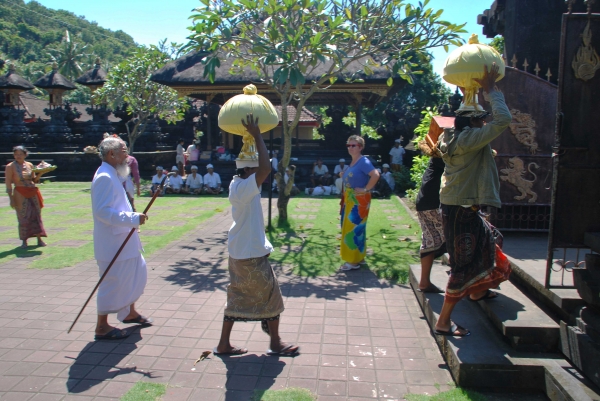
186	75
95	76
14	81
54	80
34	108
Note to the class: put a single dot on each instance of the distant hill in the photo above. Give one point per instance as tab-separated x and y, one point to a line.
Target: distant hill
29	30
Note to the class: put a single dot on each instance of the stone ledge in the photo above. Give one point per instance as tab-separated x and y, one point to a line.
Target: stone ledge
484	361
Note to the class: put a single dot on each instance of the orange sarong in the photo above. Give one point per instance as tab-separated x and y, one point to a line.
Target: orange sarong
30	192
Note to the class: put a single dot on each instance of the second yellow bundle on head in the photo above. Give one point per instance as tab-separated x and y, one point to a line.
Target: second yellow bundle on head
466	63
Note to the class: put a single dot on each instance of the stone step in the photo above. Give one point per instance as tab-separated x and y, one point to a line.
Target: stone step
484	360
523	324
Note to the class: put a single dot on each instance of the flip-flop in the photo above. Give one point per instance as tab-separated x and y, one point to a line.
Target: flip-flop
431	288
234	351
285	351
453	327
489	294
114	334
144	321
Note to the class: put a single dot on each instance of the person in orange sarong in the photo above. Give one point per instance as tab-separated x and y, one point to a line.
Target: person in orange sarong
26	198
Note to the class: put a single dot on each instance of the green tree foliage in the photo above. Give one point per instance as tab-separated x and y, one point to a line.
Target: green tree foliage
427	90
29	30
498	44
129	83
69	56
420	162
286	41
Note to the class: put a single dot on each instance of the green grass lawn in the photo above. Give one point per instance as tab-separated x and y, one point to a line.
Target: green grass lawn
311	246
288	394
67	217
144	391
456	394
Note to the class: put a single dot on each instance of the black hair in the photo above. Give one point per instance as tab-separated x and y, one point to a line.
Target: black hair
180	140
461	122
240	172
21	148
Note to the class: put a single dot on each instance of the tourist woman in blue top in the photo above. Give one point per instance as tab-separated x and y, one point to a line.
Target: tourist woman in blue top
359	179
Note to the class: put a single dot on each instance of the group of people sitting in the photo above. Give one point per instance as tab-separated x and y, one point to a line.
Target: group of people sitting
194	183
324	183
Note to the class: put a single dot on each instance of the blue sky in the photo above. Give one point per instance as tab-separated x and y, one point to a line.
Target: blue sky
149	21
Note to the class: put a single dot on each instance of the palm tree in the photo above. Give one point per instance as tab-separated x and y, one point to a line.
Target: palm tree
69	57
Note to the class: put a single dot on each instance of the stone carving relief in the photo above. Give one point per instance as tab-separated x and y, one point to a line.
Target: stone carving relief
523	128
515	175
587	61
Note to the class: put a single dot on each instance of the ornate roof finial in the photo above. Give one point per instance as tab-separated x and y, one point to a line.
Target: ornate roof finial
514	61
548	74
55	66
11	68
525	65
570	5
537	69
97	62
590	4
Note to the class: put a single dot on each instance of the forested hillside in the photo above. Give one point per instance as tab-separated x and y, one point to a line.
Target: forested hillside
33	37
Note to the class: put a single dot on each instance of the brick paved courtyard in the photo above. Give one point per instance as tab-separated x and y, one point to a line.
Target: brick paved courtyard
360	337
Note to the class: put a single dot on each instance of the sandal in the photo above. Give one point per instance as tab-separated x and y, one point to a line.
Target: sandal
144	321
234	351
453	331
431	288
489	294
285	351
349	266
114	334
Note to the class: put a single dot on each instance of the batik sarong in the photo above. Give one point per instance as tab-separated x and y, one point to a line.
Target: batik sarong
253	293
354	213
476	259
432	237
28	206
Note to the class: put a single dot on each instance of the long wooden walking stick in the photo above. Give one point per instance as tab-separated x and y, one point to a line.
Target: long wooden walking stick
159	190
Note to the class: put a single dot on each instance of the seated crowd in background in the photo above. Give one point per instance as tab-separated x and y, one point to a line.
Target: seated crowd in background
194	183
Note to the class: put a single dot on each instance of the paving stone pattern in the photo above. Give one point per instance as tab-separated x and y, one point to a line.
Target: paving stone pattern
362	338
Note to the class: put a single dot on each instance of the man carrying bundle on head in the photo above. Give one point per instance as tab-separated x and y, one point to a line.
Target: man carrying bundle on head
113	220
470	180
253	293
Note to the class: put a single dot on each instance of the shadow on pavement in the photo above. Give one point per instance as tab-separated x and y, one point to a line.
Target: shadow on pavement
98	362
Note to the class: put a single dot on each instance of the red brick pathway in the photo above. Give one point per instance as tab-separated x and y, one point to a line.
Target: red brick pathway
361	338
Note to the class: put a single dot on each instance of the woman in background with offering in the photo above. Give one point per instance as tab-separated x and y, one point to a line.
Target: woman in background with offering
26	198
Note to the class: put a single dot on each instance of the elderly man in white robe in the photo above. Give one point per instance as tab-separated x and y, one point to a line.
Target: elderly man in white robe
113	220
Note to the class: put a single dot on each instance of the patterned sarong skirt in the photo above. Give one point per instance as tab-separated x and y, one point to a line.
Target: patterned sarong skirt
432	237
354	213
253	293
476	259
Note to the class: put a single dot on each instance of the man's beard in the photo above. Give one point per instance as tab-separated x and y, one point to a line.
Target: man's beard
123	169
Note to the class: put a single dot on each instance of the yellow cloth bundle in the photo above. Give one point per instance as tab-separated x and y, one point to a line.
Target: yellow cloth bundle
236	109
466	63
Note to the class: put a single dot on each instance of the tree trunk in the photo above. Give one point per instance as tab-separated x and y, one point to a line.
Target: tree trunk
284	189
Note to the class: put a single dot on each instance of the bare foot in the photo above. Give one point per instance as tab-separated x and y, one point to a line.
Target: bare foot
24	245
41	243
100	331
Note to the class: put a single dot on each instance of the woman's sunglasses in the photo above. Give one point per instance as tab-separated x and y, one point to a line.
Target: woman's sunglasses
352	145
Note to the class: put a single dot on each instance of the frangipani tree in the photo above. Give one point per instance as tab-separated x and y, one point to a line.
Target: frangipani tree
300	46
129	83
